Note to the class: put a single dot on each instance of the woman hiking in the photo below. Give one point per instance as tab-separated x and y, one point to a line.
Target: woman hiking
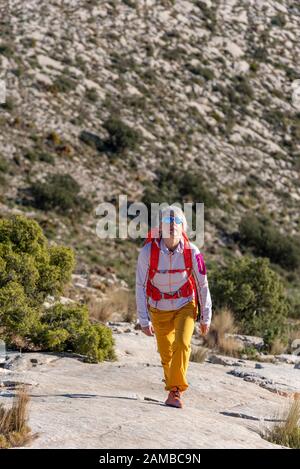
171	281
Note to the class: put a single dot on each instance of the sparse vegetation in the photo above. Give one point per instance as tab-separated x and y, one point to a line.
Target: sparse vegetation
7	49
91	95
92	140
30	270
63	83
241	93
14	429
36	155
255	295
287	431
121	136
3	165
264	239
67	328
118	301
198	354
174	185
278	20
223	324
208	15
60	192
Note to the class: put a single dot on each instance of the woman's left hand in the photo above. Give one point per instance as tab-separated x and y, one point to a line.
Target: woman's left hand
204	328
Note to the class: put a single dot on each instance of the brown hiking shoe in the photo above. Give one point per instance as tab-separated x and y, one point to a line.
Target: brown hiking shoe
173	399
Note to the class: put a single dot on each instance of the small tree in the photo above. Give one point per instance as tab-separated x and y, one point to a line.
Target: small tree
255	295
30	270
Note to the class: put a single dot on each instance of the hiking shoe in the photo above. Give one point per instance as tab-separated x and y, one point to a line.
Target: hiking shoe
173	399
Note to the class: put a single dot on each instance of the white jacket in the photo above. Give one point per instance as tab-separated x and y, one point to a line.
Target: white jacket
170	282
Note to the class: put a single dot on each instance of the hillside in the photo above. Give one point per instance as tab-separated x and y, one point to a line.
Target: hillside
205	86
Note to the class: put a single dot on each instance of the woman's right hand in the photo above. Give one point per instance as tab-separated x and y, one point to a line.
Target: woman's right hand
148	330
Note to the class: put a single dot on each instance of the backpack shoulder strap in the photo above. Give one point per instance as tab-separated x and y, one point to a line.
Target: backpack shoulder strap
187	252
154	258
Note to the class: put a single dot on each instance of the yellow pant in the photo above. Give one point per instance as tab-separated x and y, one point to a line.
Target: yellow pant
173	330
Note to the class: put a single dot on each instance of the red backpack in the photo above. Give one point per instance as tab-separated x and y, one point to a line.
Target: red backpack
188	288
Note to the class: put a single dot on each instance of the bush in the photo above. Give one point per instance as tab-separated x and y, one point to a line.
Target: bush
64	83
241	93
30	270
178	186
67	328
205	72
61	193
208	15
255	295
91	95
33	156
92	140
7	49
263	238
121	136
3	165
278	20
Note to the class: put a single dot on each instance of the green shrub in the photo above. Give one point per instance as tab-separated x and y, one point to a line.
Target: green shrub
205	72
3	165
276	118
67	328
30	270
91	95
46	157
241	93
7	49
121	136
173	186
92	140
9	104
254	293
278	20
265	240
208	15
64	83
61	193
33	156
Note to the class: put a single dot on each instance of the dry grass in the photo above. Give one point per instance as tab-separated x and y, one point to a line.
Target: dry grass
198	354
287	432
230	346
14	430
277	347
222	324
119	303
294	334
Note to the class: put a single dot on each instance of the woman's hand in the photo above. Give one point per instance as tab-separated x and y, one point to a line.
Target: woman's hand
148	330
204	328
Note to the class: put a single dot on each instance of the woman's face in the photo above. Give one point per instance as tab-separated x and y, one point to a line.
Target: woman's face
172	230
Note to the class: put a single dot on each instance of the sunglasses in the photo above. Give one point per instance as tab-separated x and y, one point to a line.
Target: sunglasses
172	219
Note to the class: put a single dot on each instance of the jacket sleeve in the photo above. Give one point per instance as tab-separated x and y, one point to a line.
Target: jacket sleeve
142	272
200	276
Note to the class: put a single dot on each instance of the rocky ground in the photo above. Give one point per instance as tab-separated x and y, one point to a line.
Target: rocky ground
121	404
